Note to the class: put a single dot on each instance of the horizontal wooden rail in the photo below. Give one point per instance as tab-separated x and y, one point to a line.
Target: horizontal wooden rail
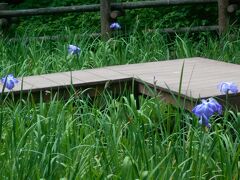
152	4
49	10
95	35
96	7
190	29
106	7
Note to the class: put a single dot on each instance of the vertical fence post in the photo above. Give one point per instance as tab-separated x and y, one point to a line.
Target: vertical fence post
105	10
223	16
3	21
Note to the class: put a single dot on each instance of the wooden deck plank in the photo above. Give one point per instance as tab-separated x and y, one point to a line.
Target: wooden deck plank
62	79
193	88
87	77
188	81
108	74
201	77
39	82
18	87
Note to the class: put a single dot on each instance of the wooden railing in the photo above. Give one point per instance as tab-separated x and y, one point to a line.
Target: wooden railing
110	10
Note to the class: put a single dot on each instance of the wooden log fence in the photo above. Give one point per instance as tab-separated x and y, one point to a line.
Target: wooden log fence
3	20
223	17
105	10
106	7
96	7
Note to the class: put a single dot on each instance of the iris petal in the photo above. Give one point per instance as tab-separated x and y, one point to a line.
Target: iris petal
9	84
233	88
115	26
205	122
206	109
198	110
226	87
72	49
215	105
9	81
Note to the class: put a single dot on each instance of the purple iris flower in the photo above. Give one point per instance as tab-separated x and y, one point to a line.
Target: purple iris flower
226	87
206	109
215	105
9	81
115	26
72	49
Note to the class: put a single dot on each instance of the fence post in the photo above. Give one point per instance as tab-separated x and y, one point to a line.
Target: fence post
3	21
223	16
105	10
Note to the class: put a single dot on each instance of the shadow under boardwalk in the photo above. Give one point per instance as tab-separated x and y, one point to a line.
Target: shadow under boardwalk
200	79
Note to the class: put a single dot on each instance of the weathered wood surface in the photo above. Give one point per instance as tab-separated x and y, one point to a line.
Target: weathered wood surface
105	10
188	29
223	16
200	78
3	21
96	7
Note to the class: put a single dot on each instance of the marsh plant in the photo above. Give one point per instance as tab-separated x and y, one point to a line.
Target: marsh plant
112	137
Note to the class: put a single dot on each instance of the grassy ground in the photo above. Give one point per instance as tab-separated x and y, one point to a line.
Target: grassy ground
110	138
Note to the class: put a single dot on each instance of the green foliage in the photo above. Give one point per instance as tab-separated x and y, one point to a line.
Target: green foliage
79	139
110	137
37	57
171	17
164	17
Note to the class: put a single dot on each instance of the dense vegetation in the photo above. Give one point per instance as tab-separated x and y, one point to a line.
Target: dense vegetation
110	137
142	19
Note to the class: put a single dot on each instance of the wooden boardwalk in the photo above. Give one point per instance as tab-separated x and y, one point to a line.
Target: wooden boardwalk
200	79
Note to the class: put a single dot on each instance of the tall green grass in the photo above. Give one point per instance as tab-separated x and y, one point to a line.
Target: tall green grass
37	57
111	137
81	139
